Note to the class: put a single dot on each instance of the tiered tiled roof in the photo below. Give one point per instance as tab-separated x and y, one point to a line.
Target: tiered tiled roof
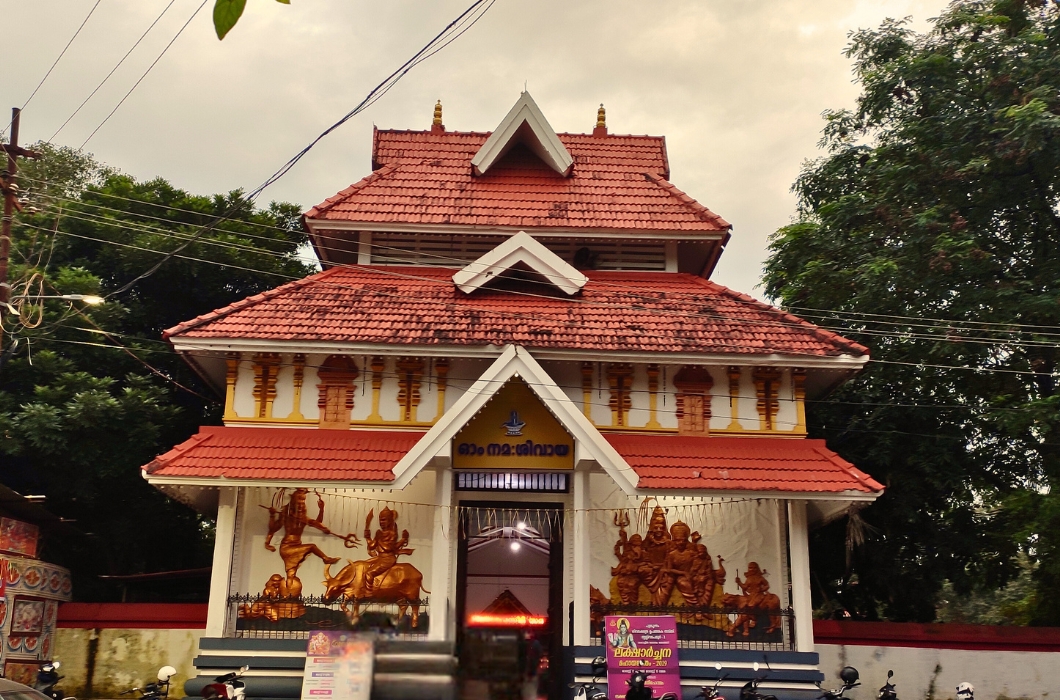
286	453
665	462
617	183
615	311
739	464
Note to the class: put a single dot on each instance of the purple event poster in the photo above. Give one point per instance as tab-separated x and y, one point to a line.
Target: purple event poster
338	666
642	643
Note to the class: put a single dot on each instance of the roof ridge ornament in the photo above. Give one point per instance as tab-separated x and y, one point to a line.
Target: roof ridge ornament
522	249
601	122
436	124
524	124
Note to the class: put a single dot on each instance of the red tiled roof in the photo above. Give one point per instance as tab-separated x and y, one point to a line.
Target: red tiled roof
615	311
423	177
739	464
286	453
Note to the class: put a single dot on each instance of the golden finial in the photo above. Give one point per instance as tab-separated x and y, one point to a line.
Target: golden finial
601	122
438	113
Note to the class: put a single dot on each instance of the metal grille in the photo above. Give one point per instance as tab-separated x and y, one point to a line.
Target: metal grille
541	482
257	617
695	632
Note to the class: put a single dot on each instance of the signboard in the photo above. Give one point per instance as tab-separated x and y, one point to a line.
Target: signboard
642	643
513	430
338	666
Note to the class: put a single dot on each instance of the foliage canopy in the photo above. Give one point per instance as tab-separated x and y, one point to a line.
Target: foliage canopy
80	415
937	198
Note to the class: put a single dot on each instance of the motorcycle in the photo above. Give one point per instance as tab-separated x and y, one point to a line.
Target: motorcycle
591	691
227	687
639	691
887	692
850	677
47	678
158	690
711	693
750	689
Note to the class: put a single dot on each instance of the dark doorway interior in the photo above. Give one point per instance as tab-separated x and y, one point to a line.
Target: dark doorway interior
509	597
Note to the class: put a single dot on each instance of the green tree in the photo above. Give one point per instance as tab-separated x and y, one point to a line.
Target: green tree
937	198
80	415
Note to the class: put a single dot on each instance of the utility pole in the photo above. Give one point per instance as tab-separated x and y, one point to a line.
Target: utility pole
9	188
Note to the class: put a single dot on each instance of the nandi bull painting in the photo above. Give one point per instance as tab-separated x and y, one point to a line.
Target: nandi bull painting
381	578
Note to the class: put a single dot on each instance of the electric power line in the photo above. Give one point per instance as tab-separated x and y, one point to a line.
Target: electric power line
508	314
56	61
947	325
455	28
149	68
112	70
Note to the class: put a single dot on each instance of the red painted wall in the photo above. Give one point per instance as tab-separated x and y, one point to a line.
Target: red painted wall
133	615
935	635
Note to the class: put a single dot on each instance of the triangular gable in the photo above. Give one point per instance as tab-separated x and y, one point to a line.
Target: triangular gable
517	362
524	124
520	249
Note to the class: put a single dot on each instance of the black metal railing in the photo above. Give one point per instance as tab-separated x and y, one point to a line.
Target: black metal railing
711	627
253	616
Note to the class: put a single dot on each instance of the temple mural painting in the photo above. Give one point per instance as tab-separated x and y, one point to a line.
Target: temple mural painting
720	560
320	559
380	578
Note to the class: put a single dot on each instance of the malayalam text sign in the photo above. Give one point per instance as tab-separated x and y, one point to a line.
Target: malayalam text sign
642	643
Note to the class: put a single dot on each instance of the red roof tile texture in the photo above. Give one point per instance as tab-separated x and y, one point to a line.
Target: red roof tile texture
423	177
286	453
615	311
739	464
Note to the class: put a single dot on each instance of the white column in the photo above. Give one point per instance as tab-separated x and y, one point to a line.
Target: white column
440	548
224	540
364	248
799	553
581	556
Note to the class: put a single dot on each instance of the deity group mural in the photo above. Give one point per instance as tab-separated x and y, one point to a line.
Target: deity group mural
380	578
670	567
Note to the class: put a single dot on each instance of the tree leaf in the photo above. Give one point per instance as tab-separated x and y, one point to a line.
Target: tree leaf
225	15
285	2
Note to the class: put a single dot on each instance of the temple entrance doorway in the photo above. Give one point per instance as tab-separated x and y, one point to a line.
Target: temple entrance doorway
509	603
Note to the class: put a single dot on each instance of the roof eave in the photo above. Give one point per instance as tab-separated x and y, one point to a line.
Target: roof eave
851	363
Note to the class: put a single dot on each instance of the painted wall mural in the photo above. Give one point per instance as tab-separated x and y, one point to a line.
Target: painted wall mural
315	531
29	606
717	566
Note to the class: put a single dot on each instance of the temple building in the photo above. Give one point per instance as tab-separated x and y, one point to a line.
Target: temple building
513	402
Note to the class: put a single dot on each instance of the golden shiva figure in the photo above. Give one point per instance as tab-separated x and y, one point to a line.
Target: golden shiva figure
293	519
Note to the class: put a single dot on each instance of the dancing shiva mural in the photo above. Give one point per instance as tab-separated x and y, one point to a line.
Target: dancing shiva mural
379	578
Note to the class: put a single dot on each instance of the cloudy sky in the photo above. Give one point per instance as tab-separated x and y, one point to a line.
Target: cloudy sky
737	87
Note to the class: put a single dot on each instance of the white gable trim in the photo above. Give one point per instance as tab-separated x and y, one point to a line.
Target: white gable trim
527	125
520	248
516	362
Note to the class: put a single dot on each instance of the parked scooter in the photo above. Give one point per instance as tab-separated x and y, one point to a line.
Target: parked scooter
158	690
639	691
887	692
849	675
591	691
227	687
47	678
